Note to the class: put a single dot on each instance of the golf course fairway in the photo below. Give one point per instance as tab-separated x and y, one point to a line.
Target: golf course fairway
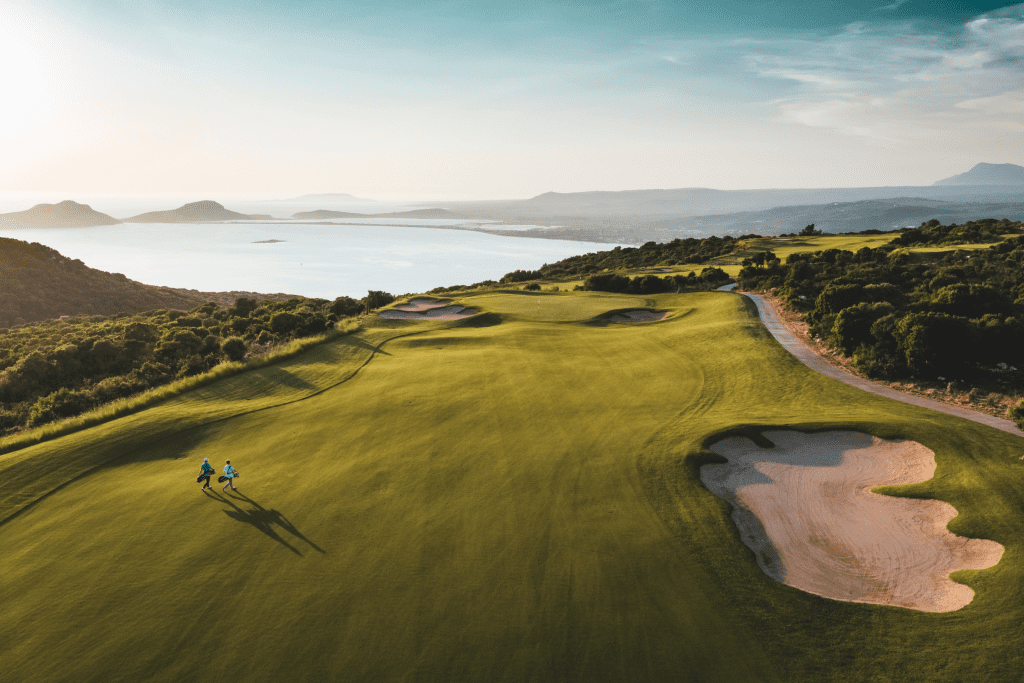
510	497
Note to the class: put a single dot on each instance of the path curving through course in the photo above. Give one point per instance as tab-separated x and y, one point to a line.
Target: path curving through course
815	362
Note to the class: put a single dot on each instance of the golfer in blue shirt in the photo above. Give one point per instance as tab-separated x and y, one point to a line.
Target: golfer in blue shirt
205	472
230	473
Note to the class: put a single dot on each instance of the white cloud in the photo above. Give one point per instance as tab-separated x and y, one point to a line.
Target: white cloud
1006	103
900	82
894	6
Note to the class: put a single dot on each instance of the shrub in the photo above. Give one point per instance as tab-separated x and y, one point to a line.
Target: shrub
142	332
233	348
243	307
284	323
1016	414
61	403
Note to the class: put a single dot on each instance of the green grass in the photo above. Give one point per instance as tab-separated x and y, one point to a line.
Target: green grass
509	497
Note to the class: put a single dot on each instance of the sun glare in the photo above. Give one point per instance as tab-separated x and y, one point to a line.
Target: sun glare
29	72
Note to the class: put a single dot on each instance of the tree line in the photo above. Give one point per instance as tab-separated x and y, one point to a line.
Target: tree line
677	252
956	314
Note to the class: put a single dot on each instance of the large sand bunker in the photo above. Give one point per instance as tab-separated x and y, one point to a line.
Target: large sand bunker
421	304
807	511
640	315
443	313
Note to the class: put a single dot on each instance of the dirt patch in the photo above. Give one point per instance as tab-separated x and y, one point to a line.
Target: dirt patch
639	316
443	313
807	511
420	304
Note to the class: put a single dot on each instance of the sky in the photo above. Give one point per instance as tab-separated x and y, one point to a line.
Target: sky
485	100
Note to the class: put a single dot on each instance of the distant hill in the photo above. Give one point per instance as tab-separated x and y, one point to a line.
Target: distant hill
38	283
196	212
66	214
697	201
988	174
336	197
324	213
415	213
877	214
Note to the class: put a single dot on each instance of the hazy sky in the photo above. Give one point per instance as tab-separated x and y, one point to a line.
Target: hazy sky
462	99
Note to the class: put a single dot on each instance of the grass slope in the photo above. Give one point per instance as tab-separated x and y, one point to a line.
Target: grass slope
511	497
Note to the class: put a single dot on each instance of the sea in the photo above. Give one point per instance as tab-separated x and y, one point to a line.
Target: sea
304	258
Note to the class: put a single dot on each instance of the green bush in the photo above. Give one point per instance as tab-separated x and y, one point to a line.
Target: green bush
1017	415
233	348
345	307
61	403
284	323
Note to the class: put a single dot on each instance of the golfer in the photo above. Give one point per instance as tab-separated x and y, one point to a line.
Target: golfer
206	471
229	472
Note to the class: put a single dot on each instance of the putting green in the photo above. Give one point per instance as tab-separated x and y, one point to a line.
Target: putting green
510	497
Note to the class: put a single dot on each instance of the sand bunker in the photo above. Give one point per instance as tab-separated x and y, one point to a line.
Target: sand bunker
807	511
639	316
421	304
443	313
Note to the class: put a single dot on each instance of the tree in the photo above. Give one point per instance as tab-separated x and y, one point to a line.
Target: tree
375	299
936	342
852	326
345	307
809	231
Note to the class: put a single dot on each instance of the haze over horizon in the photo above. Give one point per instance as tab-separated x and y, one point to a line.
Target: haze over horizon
466	100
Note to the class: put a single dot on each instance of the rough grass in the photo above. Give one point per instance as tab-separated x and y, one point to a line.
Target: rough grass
510	497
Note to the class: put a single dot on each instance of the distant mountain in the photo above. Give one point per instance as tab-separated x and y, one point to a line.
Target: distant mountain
196	212
877	214
324	213
699	201
335	197
66	214
988	174
39	283
415	213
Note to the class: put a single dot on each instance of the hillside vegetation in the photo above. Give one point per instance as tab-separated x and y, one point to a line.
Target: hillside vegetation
65	368
37	283
411	509
943	315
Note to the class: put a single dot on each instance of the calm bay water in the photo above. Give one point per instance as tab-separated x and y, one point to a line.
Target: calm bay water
312	260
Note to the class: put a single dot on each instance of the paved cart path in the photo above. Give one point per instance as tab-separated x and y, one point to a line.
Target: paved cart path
815	362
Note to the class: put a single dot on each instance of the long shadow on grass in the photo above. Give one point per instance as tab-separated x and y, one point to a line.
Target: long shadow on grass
264	520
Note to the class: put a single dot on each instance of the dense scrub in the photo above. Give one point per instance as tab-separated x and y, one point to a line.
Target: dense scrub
943	315
63	368
933	233
652	284
676	252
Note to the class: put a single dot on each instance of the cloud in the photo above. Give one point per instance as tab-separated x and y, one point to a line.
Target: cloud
894	82
1006	103
894	6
